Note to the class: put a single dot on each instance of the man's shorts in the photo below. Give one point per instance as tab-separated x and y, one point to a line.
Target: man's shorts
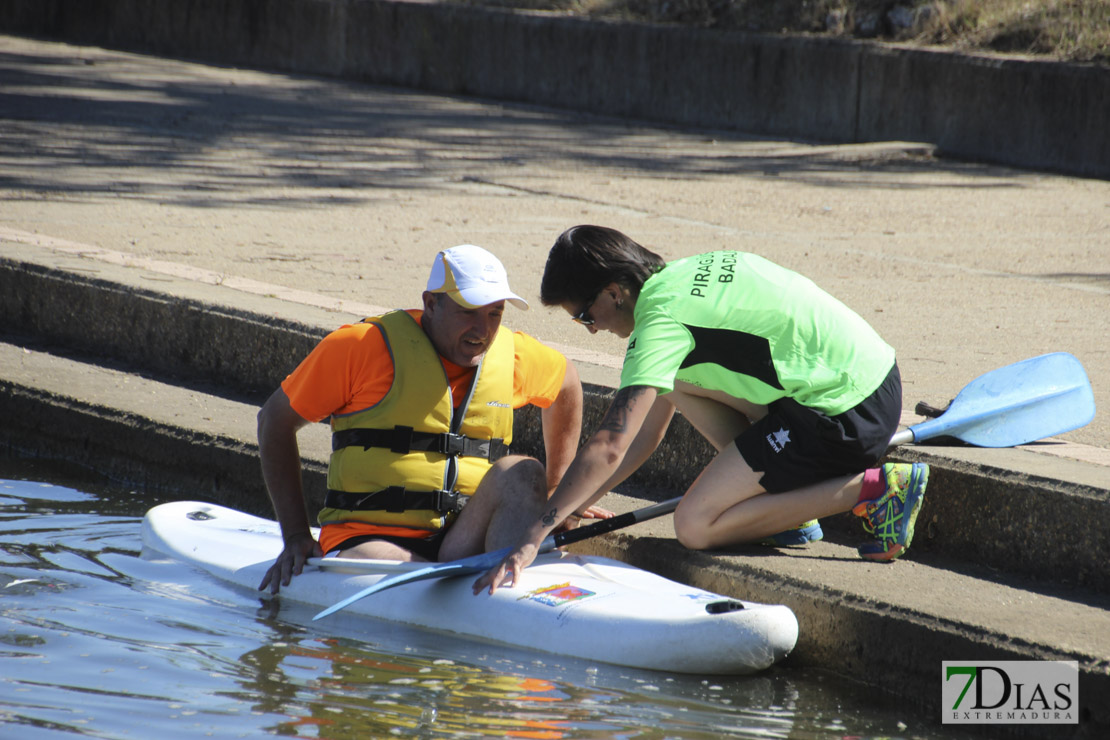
795	445
425	547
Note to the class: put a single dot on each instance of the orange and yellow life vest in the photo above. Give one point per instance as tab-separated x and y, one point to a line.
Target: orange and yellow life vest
412	459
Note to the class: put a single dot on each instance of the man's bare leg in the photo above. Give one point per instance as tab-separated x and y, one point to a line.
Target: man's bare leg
380	550
509	498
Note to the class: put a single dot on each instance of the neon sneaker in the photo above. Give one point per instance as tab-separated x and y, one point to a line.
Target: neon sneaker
890	518
800	535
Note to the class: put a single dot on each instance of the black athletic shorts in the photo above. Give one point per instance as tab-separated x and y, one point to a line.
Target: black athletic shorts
425	547
795	445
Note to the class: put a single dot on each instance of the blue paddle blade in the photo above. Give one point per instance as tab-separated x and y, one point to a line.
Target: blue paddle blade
465	566
1020	403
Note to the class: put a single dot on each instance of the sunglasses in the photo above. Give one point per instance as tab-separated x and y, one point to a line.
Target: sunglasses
583	316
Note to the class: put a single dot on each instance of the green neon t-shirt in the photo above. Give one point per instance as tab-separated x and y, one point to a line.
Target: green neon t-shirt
738	323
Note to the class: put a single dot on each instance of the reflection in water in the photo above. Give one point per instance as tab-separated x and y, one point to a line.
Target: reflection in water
358	692
96	641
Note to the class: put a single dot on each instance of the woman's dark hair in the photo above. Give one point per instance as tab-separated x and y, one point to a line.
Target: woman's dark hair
587	258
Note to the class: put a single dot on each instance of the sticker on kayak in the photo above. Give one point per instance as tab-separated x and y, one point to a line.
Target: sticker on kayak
557	595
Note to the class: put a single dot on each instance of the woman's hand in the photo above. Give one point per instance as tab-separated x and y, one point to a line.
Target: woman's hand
574	521
596	512
508	570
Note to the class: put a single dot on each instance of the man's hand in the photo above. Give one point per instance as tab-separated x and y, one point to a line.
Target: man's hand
290	562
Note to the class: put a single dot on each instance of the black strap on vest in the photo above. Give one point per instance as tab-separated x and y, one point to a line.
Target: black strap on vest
402	439
396	499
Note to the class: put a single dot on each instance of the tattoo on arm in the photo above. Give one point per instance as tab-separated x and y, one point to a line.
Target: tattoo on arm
548	519
616	418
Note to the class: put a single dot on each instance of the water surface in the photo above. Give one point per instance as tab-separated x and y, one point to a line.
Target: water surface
97	641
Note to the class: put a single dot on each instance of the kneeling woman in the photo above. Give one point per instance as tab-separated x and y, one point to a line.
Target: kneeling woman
798	394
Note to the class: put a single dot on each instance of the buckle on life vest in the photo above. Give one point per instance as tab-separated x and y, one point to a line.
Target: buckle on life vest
450	501
402	440
458	444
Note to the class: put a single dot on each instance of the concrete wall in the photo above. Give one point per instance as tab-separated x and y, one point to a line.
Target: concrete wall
1025	113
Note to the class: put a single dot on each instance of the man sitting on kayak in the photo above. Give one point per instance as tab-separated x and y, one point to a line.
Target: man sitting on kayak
421	407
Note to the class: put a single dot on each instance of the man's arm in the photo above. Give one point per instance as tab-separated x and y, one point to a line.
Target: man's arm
280	456
562	427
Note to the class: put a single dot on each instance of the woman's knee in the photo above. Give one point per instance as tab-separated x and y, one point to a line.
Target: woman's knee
690	531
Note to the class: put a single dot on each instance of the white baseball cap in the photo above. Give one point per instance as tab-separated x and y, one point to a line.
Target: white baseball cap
472	277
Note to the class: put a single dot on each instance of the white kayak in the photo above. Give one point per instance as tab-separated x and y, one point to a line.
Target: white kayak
582	606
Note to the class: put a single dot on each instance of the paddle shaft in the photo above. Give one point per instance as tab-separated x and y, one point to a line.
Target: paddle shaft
602	526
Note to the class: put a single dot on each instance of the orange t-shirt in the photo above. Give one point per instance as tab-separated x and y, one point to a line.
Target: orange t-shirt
351	370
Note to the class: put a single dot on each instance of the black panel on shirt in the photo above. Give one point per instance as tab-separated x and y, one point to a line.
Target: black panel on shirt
736	351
